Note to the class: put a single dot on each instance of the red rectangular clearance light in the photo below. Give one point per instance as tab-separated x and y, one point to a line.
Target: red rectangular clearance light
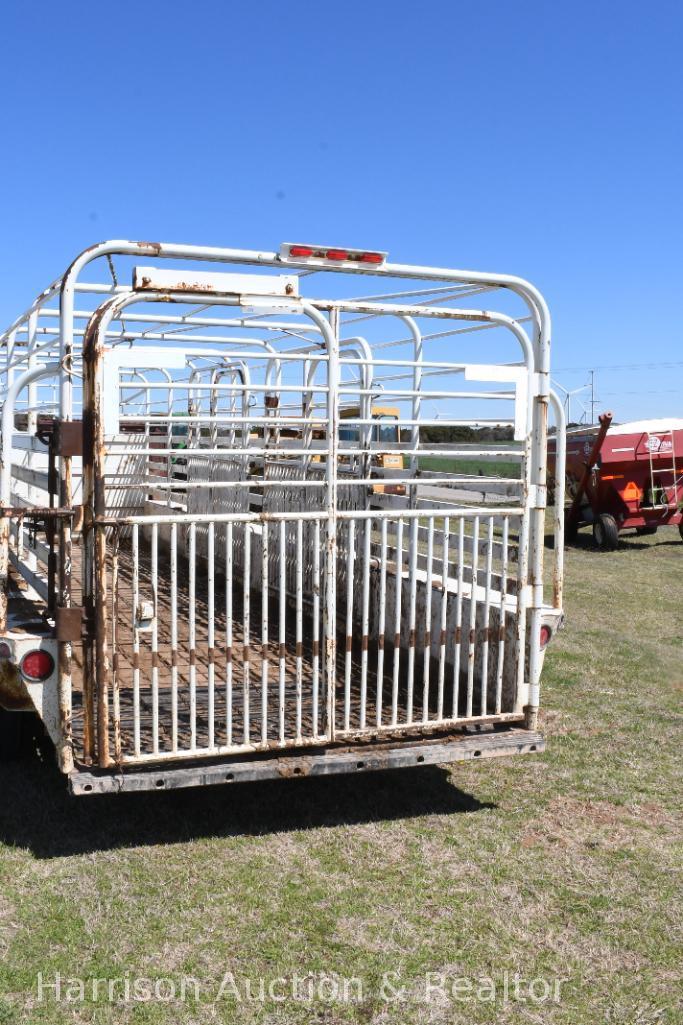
329	256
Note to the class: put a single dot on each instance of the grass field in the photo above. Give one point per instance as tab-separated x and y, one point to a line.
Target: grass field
445	464
563	868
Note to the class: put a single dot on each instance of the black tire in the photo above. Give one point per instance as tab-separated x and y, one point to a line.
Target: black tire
680	530
645	531
606	532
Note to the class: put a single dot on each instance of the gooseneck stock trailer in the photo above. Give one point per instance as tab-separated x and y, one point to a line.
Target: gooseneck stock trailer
274	514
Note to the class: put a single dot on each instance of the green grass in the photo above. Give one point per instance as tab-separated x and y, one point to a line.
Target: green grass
562	866
489	468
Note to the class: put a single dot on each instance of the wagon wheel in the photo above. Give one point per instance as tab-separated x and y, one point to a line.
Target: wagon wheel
645	531
680	529
606	532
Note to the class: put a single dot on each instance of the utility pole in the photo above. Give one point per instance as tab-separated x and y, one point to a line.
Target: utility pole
592	373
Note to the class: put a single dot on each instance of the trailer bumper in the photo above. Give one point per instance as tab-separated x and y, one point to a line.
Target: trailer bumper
326	762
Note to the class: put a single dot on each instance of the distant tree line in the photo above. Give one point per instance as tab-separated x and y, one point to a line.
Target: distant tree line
443	435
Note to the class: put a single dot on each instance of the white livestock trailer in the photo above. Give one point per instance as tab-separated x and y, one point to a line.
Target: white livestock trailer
274	514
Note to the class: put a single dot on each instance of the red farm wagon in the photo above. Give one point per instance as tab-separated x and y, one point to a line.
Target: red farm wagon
623	476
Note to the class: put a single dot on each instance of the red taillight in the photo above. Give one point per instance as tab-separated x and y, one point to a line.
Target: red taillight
546	634
5	650
37	665
334	254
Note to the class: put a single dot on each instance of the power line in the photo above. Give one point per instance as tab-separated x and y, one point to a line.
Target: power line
654	391
620	366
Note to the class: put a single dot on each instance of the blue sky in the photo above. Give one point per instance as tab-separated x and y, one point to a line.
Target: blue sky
540	139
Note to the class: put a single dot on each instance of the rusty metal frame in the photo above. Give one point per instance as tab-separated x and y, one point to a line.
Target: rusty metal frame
329	761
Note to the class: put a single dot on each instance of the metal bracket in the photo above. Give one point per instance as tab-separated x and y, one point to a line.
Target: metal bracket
538	496
69	623
69	438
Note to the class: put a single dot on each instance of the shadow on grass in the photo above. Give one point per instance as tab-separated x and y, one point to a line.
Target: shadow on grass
627	543
36	811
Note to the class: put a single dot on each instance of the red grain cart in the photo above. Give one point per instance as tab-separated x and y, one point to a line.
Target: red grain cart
623	476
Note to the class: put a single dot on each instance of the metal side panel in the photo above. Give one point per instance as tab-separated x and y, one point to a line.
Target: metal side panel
461	747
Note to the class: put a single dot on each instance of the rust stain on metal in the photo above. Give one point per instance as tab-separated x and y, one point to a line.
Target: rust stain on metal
154	248
291	767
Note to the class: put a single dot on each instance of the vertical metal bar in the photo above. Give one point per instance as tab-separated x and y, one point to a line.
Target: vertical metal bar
487	618
116	680
331	334
101	653
443	621
174	636
192	632
283	634
31	425
428	621
350	575
299	624
397	623
264	633
365	624
473	615
414	534
246	617
211	631
316	626
559	489
91	383
136	638
523	588
381	624
155	638
502	617
228	632
457	660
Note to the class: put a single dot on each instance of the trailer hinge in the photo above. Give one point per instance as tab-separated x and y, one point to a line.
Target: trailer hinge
538	496
69	623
